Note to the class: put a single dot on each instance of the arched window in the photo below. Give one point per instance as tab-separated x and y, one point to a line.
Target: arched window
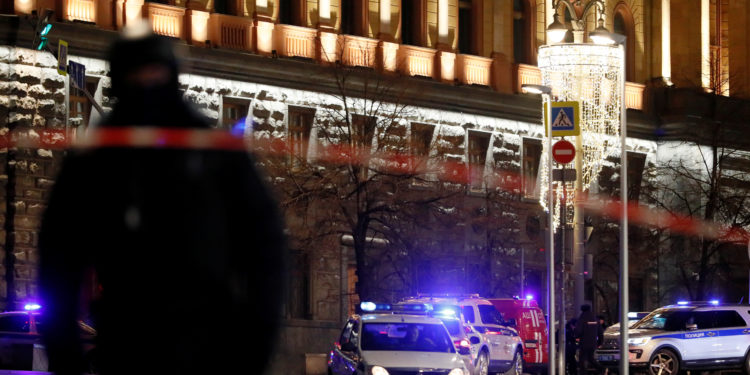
625	25
523	32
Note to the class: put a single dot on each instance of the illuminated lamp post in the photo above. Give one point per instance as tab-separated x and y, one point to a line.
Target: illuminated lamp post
602	36
592	75
545	92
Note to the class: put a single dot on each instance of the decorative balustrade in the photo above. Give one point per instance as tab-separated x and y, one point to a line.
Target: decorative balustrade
80	10
634	95
473	70
231	31
293	41
527	75
166	20
359	51
416	61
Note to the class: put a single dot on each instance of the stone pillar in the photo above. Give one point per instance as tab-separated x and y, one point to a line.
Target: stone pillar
686	40
127	11
197	26
387	56
502	73
445	66
328	46
104	15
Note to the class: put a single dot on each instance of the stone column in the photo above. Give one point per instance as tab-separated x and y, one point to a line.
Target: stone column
197	26
263	28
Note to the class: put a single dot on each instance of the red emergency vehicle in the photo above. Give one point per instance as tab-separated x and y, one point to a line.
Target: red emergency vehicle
531	326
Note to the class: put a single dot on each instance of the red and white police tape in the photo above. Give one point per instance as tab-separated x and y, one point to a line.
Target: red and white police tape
393	162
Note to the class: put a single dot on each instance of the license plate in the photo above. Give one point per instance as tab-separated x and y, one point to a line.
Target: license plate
608	357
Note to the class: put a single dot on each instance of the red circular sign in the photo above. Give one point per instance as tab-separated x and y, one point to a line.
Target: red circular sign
563	152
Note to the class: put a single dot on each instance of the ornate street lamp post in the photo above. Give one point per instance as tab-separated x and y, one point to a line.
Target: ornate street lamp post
594	76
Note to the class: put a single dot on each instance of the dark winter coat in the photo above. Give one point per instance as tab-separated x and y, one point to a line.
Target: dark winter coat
186	245
589	331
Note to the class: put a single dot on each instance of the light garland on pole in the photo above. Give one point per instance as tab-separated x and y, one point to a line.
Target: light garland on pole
589	74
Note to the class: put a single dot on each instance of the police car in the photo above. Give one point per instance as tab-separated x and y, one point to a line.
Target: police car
685	336
499	348
381	342
464	336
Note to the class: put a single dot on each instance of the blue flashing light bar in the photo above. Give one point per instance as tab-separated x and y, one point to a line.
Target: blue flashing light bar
447	312
529	297
714	302
682	303
32	306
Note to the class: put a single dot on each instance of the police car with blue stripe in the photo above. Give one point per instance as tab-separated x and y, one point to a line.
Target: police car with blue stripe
685	336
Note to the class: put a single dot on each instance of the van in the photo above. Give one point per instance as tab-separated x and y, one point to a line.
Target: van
531	325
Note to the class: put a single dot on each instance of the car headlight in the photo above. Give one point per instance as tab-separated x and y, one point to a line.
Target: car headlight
377	370
638	341
456	371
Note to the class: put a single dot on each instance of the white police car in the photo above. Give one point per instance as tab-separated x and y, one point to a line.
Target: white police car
384	343
685	336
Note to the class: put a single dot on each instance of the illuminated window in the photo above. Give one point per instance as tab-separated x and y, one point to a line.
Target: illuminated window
234	111
532	153
479	142
300	124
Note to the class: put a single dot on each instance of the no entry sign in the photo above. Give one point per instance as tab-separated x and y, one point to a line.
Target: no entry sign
563	152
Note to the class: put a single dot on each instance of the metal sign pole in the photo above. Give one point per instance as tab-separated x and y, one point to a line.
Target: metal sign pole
551	255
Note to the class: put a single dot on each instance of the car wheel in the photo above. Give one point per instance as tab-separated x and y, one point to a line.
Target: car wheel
664	362
483	364
516	367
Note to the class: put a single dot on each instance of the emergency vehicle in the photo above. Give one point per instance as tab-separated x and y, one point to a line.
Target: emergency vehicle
531	326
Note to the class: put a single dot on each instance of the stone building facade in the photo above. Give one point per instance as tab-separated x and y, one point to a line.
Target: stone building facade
270	66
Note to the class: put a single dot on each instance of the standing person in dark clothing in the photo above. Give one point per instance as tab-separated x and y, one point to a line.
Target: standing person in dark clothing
571	346
187	244
590	335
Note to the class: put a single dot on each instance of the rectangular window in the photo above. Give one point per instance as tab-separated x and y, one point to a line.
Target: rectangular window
532	154
636	164
79	107
479	142
421	138
298	303
464	27
300	125
234	112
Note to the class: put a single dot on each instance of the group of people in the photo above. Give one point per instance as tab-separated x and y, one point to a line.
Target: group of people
582	336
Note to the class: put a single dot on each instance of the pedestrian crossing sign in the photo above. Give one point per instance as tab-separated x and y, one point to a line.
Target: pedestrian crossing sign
565	119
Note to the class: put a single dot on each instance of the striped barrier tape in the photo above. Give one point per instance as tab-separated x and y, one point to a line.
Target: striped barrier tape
391	162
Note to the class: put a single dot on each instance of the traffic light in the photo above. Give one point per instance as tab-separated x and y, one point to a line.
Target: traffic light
43	27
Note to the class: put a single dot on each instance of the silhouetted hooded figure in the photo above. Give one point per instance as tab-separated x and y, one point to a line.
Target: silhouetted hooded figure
186	244
590	334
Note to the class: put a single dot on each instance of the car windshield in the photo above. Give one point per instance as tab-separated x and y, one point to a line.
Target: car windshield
452	326
490	315
419	337
667	320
